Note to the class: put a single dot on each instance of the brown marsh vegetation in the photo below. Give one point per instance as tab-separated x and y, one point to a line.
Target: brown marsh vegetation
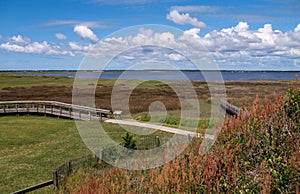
60	89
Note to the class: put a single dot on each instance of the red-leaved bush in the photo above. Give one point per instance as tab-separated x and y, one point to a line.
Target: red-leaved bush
256	152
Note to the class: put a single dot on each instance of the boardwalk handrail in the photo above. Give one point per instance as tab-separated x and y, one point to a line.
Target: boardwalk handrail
56	103
53	108
230	108
35	187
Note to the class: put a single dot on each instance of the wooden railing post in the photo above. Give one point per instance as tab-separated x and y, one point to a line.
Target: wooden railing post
157	141
55	180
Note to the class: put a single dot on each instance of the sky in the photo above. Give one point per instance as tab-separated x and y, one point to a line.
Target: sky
236	34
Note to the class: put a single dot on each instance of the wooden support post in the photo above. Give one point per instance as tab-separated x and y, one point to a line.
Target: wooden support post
100	152
68	166
17	109
189	137
157	141
55	180
100	116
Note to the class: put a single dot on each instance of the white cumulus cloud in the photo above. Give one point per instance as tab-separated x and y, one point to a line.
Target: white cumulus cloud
20	39
60	36
20	46
194	32
175	57
85	33
184	19
297	29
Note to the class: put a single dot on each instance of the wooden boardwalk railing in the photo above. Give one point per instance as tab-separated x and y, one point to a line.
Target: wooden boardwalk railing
35	187
230	109
54	108
72	111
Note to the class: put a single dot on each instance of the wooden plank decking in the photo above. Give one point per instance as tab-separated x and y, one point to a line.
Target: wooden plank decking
54	108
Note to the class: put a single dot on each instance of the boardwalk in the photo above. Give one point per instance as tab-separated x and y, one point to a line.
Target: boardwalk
87	113
53	108
230	109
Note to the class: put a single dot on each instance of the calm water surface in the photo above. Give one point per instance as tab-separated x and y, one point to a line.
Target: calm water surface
183	75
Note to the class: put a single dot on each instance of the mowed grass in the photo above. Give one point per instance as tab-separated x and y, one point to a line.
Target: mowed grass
32	146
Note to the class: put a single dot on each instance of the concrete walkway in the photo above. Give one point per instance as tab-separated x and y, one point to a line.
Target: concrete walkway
158	127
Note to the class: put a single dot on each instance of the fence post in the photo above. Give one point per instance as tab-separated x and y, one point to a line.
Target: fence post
55	180
70	112
189	137
45	109
100	152
69	168
157	141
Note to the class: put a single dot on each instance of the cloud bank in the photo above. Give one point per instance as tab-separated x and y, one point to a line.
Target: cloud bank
236	47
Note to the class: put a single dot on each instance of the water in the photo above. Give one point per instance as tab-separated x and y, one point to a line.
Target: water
181	75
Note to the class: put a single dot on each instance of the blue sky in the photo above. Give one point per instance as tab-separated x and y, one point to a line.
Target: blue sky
57	34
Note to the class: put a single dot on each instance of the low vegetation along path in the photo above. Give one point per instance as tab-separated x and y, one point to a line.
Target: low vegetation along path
80	113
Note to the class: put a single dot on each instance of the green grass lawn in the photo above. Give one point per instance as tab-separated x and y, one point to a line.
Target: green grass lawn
32	146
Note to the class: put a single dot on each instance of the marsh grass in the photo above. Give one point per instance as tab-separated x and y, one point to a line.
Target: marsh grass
60	89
